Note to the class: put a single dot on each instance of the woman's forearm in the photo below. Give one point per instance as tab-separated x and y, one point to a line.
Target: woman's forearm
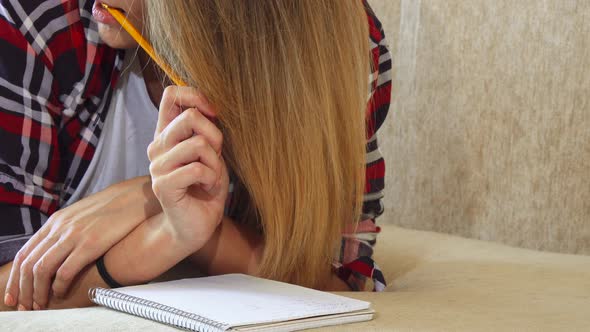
235	248
152	249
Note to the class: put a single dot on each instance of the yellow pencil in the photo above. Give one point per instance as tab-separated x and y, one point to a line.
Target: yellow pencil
147	47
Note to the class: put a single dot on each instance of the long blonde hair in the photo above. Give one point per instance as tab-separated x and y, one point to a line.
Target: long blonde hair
289	79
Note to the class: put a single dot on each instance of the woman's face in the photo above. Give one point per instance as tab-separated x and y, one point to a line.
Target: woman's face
109	30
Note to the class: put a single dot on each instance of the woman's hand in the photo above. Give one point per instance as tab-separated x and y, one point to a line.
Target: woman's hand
74	237
189	176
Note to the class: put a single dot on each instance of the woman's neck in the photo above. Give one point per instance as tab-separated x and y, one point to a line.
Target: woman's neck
155	80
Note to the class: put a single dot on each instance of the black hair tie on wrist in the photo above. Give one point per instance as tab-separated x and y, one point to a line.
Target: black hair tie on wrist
102	270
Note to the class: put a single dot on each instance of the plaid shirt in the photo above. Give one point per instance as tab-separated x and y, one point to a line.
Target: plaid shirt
56	83
355	263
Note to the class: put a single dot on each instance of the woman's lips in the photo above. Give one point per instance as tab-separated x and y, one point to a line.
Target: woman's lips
101	15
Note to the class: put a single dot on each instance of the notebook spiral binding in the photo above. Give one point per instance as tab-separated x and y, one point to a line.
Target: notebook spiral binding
154	311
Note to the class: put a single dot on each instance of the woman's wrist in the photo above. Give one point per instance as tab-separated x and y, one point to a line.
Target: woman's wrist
150	250
187	240
105	275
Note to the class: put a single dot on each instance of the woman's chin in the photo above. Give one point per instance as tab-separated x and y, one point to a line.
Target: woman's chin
115	36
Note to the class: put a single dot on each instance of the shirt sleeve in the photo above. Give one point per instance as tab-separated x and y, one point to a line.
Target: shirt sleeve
52	79
356	264
29	158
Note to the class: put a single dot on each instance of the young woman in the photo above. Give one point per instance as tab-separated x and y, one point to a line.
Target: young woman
262	167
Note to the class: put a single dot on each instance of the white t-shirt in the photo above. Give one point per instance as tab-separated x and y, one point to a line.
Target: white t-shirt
128	130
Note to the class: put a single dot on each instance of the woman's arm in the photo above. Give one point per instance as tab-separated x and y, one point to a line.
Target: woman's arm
74	237
235	248
150	238
152	248
148	251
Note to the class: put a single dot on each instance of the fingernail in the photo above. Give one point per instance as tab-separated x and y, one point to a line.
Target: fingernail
8	300
36	306
21	307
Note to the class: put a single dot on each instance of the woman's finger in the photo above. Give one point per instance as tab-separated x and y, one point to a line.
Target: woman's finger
172	187
25	282
191	150
175	99
74	263
30	268
188	124
25	291
11	292
46	268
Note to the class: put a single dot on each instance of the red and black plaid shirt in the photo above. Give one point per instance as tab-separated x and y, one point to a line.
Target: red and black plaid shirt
56	82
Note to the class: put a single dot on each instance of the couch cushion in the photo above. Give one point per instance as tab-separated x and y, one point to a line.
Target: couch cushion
437	282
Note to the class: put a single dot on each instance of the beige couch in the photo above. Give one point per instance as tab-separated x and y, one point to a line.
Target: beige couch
487	136
437	283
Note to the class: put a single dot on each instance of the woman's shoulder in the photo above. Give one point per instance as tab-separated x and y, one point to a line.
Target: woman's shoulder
63	40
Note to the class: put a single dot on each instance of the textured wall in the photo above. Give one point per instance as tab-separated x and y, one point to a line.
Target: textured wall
489	131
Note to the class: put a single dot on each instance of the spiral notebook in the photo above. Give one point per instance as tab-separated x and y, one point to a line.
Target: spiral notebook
233	302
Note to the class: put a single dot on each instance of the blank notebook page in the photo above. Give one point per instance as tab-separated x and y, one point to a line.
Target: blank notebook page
238	299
